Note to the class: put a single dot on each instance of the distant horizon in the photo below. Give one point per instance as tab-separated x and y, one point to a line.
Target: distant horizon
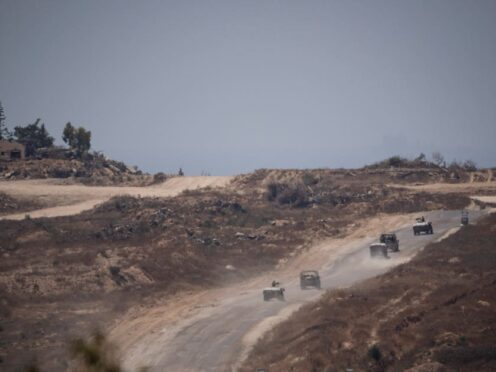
227	87
428	157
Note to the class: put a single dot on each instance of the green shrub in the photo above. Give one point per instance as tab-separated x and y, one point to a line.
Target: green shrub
374	353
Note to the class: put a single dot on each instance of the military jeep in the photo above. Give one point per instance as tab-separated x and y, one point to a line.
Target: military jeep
422	226
273	292
391	241
309	278
378	250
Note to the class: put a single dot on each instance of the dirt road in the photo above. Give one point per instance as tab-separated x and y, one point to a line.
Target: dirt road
463	187
214	330
64	199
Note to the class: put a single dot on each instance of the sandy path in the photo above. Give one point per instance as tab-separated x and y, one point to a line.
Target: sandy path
212	330
474	187
73	199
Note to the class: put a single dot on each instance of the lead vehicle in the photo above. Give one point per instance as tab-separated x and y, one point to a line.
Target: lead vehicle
422	226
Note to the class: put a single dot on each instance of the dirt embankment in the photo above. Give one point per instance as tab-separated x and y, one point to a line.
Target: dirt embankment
435	312
60	275
9	204
56	198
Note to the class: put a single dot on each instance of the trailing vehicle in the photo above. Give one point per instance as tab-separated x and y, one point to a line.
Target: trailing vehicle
391	241
378	250
273	292
309	278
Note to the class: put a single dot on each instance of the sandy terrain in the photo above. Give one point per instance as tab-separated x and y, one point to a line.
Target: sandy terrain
213	330
435	313
471	188
71	199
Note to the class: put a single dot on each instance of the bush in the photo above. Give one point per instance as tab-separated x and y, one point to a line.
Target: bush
309	179
159	177
293	194
470	166
396	161
374	353
94	355
272	191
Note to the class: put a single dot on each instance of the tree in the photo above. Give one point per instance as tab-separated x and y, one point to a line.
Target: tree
470	165
438	158
34	136
4	132
69	135
78	139
420	158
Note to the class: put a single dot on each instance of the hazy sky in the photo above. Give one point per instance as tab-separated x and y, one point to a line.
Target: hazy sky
230	86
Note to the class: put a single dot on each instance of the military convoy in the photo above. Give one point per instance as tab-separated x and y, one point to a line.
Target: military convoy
388	242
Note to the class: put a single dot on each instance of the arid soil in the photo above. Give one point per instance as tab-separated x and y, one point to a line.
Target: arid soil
10	204
63	198
212	330
434	313
62	276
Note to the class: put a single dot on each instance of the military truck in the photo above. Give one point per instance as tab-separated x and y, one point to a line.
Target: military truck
422	226
309	278
391	241
378	250
273	292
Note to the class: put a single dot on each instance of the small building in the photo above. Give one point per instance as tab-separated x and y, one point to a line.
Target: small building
11	150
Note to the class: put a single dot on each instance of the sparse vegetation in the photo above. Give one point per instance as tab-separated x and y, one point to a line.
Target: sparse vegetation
438	159
421	161
78	139
375	353
4	131
94	355
34	136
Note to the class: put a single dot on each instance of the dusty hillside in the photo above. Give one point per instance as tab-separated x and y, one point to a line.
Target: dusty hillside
9	204
435	312
55	197
60	276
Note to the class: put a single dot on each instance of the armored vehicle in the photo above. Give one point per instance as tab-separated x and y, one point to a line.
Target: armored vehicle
392	242
309	278
464	219
422	226
379	250
273	292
